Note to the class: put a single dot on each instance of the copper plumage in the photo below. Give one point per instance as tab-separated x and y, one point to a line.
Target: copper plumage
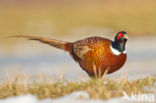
95	55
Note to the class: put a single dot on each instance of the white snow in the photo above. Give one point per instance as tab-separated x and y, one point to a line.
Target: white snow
75	97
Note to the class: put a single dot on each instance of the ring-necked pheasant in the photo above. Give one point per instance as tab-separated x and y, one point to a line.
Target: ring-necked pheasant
95	55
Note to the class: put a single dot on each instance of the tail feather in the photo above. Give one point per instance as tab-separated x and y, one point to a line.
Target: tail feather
55	43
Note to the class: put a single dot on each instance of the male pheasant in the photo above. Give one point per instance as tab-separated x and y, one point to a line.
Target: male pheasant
95	55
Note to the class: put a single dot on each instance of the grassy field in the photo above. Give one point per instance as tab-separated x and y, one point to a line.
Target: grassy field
97	88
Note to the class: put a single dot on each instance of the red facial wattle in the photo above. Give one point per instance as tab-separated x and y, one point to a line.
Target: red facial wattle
120	35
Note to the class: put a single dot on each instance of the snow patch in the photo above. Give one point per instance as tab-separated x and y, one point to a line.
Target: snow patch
75	97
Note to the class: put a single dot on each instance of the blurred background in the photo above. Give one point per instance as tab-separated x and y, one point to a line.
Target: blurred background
70	20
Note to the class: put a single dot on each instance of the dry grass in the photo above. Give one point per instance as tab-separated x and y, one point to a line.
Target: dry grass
97	88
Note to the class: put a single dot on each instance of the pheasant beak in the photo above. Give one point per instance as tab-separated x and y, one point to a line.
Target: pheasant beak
125	37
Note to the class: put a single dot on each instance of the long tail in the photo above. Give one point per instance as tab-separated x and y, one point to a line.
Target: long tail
55	43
